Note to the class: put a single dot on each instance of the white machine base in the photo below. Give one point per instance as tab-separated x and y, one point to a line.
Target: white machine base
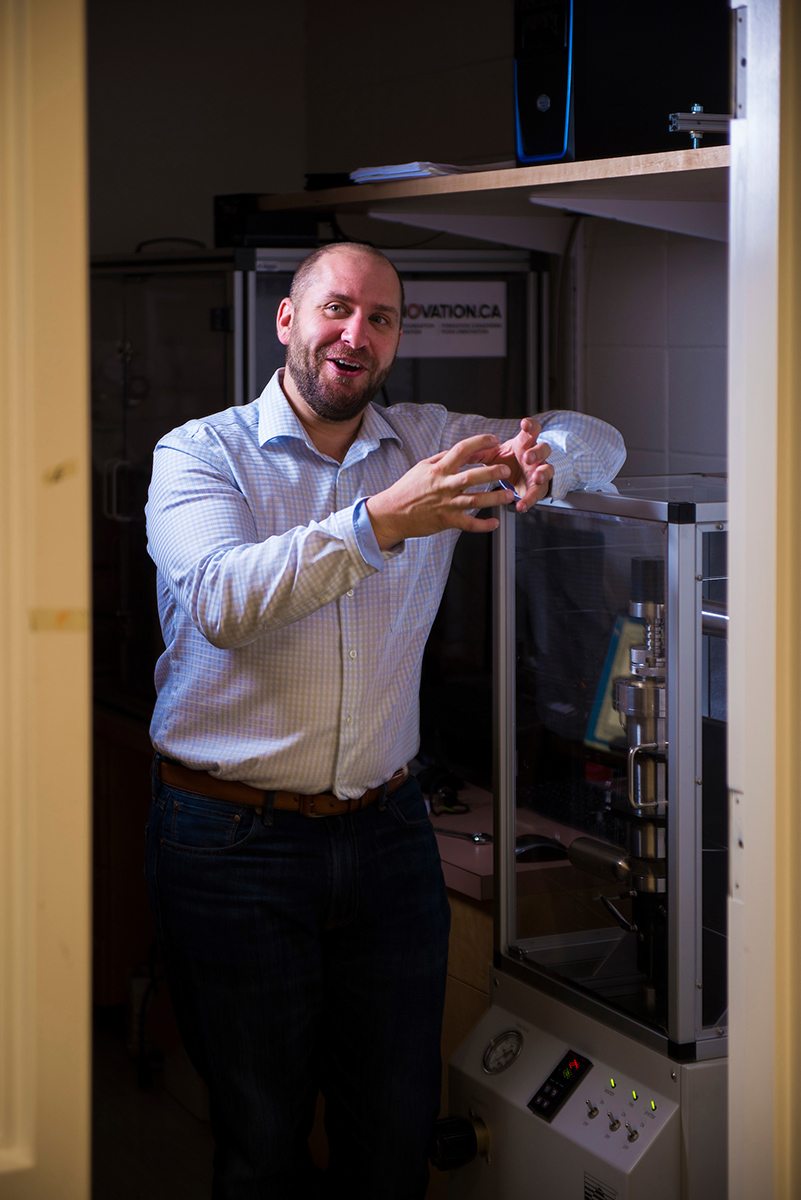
658	1131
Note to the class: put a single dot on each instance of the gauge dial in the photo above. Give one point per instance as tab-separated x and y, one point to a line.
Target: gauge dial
502	1051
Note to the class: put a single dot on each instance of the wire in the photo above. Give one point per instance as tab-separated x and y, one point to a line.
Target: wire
344	237
558	380
156	241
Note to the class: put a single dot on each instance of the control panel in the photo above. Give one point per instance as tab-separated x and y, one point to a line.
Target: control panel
569	1107
617	1109
548	1099
605	1110
610	1113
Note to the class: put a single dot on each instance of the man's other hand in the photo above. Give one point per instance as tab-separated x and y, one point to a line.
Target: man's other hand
529	472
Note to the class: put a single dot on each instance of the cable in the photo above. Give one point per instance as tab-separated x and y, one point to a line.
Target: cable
155	242
341	236
558	380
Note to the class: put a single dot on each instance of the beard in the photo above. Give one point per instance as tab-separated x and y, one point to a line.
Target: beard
333	400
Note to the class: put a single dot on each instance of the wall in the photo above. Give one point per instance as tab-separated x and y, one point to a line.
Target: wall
430	80
188	99
655	344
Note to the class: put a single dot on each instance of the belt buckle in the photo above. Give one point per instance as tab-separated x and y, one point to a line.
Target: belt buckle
306	808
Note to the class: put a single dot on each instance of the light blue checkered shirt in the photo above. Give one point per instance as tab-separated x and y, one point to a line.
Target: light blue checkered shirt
293	644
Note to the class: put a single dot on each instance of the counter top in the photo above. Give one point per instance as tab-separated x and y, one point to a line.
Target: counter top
468	866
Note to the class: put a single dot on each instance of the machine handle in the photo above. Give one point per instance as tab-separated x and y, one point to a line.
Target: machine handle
659	748
621	920
111	473
455	1141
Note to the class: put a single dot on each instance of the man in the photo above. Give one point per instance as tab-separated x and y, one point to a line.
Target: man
302	544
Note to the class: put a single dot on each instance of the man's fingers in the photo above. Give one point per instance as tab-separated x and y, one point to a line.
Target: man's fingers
487	499
531	425
478	476
538	453
473	447
537	486
478	500
470	524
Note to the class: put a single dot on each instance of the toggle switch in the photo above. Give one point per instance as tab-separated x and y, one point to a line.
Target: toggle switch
633	1134
613	1122
592	1109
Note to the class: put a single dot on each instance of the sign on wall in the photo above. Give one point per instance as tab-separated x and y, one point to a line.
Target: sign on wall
454	319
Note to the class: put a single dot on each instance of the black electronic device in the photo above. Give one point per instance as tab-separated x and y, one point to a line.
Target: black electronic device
239	221
600	78
549	1098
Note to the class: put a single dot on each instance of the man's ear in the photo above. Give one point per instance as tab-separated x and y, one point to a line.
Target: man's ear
283	320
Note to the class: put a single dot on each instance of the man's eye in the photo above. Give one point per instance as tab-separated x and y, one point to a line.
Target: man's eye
380	319
333	308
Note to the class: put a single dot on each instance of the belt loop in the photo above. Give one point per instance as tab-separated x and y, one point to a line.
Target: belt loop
155	774
382	798
267	808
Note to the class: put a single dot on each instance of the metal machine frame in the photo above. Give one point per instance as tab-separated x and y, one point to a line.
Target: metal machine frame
659	1088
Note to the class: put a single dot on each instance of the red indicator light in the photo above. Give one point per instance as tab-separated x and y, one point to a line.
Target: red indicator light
574	1064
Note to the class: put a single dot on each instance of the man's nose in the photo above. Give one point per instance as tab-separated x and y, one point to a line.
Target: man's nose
356	330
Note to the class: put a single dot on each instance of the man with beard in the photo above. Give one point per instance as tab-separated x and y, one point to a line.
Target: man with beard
302	544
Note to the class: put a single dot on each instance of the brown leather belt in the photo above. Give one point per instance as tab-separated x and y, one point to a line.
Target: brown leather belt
324	804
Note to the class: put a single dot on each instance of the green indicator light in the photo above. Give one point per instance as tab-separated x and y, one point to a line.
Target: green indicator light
633	1094
653	1106
613	1083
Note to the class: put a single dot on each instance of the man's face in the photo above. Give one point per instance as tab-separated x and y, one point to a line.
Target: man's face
342	333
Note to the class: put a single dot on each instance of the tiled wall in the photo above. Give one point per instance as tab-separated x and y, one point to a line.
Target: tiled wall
655	344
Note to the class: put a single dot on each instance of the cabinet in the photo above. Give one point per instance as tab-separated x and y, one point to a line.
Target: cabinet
123	926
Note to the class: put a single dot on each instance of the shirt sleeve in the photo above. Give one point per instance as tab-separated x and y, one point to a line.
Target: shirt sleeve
586	452
232	582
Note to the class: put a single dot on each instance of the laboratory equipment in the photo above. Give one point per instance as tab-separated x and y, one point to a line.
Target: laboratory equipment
609	975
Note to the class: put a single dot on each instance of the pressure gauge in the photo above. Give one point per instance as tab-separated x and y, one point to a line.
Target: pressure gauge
502	1051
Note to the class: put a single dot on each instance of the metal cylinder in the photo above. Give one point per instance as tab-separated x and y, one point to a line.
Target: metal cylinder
599	858
642	703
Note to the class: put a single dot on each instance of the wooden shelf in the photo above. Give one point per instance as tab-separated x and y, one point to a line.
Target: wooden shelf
681	190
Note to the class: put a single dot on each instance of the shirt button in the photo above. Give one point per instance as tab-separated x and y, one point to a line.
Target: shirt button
349	592
351	654
348	720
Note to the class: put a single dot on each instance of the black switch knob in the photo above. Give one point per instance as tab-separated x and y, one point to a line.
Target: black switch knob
455	1141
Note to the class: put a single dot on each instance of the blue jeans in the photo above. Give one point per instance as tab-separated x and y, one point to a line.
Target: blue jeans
305	953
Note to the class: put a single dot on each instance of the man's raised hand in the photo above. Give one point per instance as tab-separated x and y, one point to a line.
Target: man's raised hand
439	492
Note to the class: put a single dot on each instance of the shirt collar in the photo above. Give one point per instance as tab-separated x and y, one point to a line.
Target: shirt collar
277	420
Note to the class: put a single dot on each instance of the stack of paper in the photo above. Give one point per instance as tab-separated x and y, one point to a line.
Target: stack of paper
419	170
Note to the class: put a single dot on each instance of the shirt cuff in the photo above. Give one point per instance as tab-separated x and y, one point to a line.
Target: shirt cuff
564	475
366	540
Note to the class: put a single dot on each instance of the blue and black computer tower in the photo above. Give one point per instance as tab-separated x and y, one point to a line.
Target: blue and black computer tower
599	78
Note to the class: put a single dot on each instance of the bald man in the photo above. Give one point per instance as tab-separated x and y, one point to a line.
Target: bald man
302	543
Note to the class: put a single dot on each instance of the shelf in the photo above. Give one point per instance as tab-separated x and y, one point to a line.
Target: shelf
685	191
